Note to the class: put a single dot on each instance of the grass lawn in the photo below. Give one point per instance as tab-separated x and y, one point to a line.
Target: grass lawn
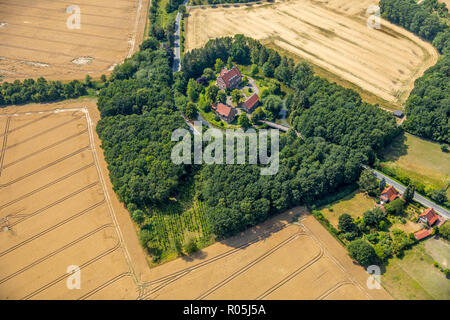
355	204
415	277
439	250
420	160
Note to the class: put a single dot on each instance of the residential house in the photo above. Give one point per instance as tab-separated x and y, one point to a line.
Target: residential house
429	217
389	194
251	103
399	114
229	79
226	113
422	234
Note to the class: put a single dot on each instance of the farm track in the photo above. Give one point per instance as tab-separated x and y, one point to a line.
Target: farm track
249	265
45	148
66	246
40	234
45	167
62	277
4	143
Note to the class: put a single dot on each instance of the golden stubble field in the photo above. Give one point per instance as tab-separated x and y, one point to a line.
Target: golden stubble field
58	209
35	40
331	34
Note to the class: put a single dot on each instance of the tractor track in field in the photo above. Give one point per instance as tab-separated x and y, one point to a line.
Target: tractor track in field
47	186
55	252
4	143
45	167
59	224
249	265
44	149
62	277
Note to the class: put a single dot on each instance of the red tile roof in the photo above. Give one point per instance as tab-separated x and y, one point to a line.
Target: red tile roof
228	75
222	109
389	193
422	234
430	215
250	103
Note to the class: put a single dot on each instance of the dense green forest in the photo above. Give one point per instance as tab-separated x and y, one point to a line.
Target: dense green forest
428	106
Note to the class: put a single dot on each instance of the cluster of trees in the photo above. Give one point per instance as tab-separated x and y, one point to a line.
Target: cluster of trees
339	133
157	30
202	2
40	90
427	106
137	149
139	84
370	241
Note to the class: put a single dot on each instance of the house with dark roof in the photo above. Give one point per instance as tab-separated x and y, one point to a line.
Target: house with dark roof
251	103
389	194
226	113
399	114
229	79
429	217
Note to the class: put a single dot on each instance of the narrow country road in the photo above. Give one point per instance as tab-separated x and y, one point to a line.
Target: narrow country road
426	202
177	42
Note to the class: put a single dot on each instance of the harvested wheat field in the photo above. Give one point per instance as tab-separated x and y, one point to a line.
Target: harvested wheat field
276	260
55	209
36	41
332	35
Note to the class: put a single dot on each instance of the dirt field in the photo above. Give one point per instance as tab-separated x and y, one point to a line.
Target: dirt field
55	209
276	260
330	34
35	40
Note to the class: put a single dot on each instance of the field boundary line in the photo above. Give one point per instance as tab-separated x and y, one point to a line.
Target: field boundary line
108	200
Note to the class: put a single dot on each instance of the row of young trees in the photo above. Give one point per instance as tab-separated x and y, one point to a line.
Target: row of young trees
427	107
40	90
